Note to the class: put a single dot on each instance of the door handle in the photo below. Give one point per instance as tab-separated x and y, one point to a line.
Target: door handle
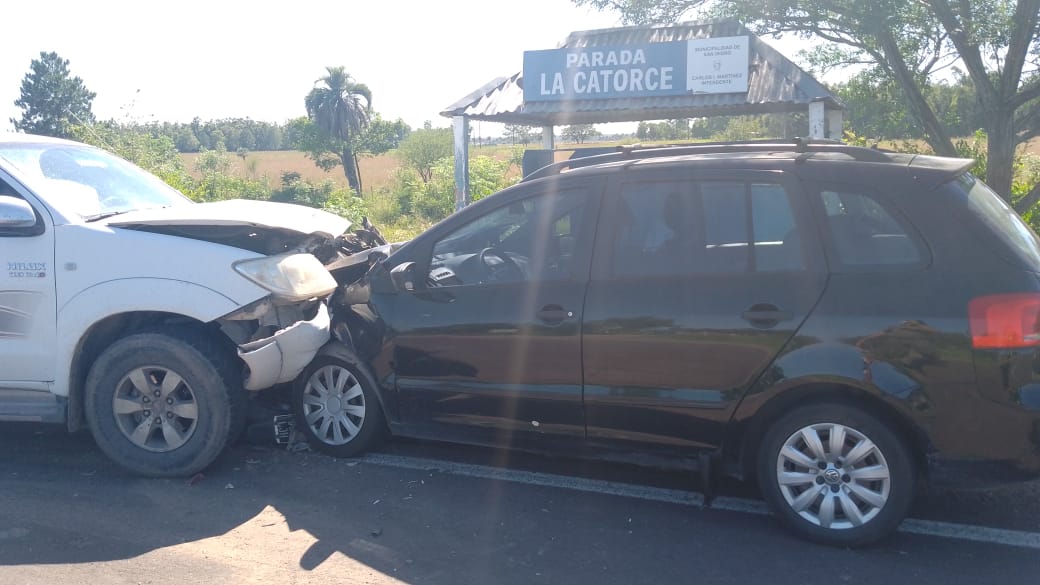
553	314
765	315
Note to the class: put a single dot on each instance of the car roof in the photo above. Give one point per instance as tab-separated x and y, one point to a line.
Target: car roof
758	154
22	138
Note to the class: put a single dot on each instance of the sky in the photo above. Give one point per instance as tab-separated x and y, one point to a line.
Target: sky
173	61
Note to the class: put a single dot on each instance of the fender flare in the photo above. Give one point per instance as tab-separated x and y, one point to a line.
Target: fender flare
850	376
79	314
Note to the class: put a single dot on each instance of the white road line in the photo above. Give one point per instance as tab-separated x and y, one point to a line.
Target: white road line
685	498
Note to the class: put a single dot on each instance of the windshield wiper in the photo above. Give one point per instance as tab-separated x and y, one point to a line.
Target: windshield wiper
105	215
108	214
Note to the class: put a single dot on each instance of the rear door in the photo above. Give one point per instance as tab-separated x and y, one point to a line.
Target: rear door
697	284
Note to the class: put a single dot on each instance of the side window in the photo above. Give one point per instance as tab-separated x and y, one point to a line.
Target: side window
654	232
865	233
777	242
531	239
725	209
710	227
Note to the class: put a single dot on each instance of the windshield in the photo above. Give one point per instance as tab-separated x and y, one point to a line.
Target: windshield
87	180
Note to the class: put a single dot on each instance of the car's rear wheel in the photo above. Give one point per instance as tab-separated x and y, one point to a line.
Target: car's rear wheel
836	475
337	409
164	404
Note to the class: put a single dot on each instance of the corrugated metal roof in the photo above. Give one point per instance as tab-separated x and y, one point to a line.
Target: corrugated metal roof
775	84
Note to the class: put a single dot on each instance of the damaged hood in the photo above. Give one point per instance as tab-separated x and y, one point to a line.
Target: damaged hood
238	213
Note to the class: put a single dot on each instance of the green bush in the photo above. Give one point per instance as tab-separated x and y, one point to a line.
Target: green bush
975	149
421	150
741	128
326	194
487	176
401	211
218	183
435	200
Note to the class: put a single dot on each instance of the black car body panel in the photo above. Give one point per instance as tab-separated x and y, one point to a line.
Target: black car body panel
618	357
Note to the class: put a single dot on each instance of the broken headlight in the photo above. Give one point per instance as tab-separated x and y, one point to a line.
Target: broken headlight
294	277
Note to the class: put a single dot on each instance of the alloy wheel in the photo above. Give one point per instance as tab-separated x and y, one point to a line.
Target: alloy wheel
334	405
155	409
833	476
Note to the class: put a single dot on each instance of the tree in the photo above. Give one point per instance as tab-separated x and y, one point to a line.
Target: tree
910	43
52	101
341	109
423	148
519	134
876	108
382	135
678	129
579	132
305	135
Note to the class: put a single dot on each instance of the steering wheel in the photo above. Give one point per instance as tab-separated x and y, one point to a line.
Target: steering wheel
499	265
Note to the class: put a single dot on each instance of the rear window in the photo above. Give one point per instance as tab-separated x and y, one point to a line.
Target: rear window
1003	222
865	233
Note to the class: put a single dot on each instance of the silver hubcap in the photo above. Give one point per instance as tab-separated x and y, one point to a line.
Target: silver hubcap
833	476
155	409
334	405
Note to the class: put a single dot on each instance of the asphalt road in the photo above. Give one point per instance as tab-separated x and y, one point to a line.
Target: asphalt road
427	513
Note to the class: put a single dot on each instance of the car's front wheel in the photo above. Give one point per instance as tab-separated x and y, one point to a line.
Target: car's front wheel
836	475
337	409
164	405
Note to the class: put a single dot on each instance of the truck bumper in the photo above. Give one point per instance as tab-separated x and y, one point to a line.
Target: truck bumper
281	357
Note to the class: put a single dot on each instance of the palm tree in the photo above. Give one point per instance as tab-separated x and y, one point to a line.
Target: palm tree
342	108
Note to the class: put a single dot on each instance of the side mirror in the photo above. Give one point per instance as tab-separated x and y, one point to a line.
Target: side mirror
15	213
403	276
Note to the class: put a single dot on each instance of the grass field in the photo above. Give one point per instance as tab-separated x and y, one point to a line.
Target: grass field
377	171
374	170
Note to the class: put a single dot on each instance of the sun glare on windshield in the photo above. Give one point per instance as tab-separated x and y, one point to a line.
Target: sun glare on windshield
87	181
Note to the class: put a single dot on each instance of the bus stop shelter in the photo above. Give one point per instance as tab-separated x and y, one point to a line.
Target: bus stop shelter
627	74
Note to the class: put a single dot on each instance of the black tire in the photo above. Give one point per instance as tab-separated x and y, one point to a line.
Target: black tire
337	409
850	502
201	411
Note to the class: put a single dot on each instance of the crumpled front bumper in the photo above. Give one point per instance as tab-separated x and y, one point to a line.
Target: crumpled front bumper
281	357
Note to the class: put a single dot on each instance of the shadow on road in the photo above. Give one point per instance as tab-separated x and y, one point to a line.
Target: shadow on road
62	502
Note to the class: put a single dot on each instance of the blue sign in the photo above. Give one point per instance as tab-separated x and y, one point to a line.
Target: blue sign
712	65
583	73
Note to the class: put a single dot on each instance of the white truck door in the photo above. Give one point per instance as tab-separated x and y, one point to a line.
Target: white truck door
27	299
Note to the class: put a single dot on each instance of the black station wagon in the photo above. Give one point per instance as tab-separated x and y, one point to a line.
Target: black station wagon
839	323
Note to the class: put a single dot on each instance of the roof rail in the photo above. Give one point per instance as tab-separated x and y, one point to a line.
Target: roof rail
639	152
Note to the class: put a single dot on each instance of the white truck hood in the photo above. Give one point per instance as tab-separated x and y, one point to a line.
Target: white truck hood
238	212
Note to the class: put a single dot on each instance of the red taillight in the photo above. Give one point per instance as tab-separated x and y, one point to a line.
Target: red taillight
1005	321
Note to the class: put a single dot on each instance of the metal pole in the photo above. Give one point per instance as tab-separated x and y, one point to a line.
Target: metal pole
817	120
461	127
835	124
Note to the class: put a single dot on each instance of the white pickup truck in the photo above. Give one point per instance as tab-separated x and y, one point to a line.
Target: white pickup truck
147	317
